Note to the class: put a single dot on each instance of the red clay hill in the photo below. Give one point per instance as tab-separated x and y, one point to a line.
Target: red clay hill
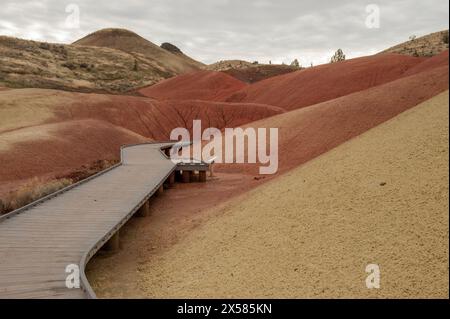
326	82
430	63
311	131
293	90
202	85
51	132
48	133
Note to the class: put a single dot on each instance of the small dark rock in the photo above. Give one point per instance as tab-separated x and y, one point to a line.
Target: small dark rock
171	48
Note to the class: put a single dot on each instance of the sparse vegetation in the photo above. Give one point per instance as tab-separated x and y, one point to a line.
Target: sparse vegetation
38	187
30	192
75	67
230	64
295	63
445	38
44	46
89	170
425	46
338	56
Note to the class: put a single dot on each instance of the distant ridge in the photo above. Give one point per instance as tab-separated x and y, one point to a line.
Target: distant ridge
131	42
429	45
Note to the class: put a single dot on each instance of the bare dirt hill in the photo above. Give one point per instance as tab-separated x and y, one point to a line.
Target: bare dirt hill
325	82
428	45
38	126
201	85
438	60
33	64
142	49
55	149
229	64
107	61
258	73
312	232
250	72
150	118
311	131
175	50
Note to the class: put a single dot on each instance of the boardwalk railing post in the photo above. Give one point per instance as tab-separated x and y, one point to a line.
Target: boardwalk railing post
178	176
202	176
172	179
192	176
160	190
186	176
144	211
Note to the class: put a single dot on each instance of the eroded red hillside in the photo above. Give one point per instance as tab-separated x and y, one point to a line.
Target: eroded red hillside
48	132
326	82
202	85
311	131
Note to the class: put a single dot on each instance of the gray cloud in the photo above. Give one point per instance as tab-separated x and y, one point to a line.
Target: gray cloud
211	30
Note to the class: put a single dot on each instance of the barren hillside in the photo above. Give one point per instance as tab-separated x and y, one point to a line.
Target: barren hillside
260	72
48	133
111	61
229	64
325	82
175	50
250	72
33	64
311	233
142	49
202	85
428	45
311	131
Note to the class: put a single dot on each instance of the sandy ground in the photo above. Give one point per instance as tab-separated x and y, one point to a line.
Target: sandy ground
173	216
380	198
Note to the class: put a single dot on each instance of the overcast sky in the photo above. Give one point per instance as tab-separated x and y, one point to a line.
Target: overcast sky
212	30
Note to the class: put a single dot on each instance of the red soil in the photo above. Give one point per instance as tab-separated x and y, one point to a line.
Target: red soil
258	73
68	146
322	83
311	131
146	117
88	127
430	63
155	119
203	85
304	134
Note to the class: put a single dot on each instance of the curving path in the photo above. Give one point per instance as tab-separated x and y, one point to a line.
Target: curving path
38	241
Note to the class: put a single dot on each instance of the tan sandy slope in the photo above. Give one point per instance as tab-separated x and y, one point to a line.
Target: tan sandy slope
380	198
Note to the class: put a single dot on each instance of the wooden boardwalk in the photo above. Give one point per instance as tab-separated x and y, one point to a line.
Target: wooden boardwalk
38	242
